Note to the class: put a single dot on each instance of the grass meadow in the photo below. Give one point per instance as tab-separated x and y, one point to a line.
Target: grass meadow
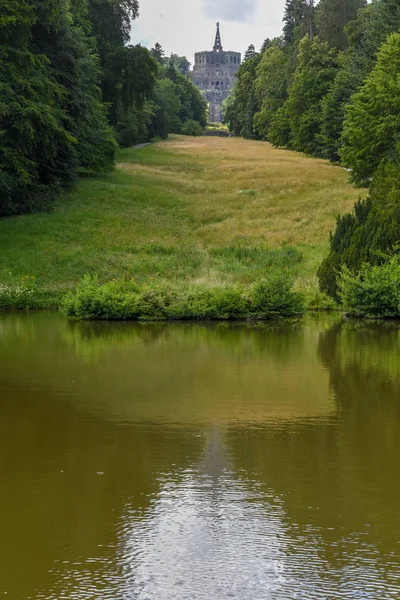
206	211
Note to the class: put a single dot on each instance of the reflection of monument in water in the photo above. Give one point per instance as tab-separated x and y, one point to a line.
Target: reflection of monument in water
215	460
214	73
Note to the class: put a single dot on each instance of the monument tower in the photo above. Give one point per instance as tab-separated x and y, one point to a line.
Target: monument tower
214	73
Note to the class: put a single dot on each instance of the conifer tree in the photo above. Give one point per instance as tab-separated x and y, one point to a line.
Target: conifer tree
316	69
371	129
250	52
298	20
332	18
158	53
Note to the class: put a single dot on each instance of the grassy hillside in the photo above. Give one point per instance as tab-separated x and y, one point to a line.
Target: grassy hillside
208	210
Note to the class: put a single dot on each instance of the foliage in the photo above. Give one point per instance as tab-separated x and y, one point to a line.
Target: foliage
372	125
158	53
332	18
192	127
271	88
128	73
180	63
70	86
30	115
250	52
239	111
279	131
175	102
333	107
298	19
192	103
370	234
316	69
126	300
52	119
374	292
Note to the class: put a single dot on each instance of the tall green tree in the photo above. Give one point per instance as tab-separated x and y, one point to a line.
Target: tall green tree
298	20
128	72
111	22
193	106
239	114
59	34
31	132
175	101
372	126
250	52
332	17
52	119
271	88
365	35
158	53
316	69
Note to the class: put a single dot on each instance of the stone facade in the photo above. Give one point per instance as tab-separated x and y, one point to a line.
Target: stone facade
214	73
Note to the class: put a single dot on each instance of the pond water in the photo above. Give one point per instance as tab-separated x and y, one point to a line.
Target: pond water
201	462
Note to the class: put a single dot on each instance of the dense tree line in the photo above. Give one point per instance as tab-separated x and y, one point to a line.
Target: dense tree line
329	87
72	88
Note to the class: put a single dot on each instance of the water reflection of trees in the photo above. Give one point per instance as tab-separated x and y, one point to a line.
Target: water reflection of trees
282	339
339	477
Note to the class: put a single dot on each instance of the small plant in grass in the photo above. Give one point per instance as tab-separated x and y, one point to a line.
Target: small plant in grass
271	298
374	292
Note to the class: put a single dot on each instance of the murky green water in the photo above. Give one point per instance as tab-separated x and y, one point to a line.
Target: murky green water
172	462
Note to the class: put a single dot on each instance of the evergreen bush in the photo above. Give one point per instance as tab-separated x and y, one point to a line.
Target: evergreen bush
371	234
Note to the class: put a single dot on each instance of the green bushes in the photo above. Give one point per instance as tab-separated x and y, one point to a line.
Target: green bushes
126	300
374	292
192	127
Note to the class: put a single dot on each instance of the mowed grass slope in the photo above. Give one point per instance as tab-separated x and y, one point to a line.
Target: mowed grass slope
208	210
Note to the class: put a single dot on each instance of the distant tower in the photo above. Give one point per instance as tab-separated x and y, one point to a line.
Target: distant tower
214	73
218	45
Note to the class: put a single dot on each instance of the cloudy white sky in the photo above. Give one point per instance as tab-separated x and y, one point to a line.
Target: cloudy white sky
188	26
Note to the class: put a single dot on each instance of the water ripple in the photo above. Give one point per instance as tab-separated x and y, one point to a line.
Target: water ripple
205	539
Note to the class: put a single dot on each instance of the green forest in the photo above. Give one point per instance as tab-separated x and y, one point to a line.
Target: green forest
72	89
330	87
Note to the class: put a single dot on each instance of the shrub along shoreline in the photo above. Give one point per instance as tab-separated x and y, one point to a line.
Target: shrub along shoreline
268	299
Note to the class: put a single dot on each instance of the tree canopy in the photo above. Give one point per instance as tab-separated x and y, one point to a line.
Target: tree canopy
71	87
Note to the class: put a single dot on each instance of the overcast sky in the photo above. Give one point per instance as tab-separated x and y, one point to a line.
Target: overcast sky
188	26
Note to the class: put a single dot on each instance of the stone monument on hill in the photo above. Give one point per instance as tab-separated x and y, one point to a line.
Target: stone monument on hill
214	73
